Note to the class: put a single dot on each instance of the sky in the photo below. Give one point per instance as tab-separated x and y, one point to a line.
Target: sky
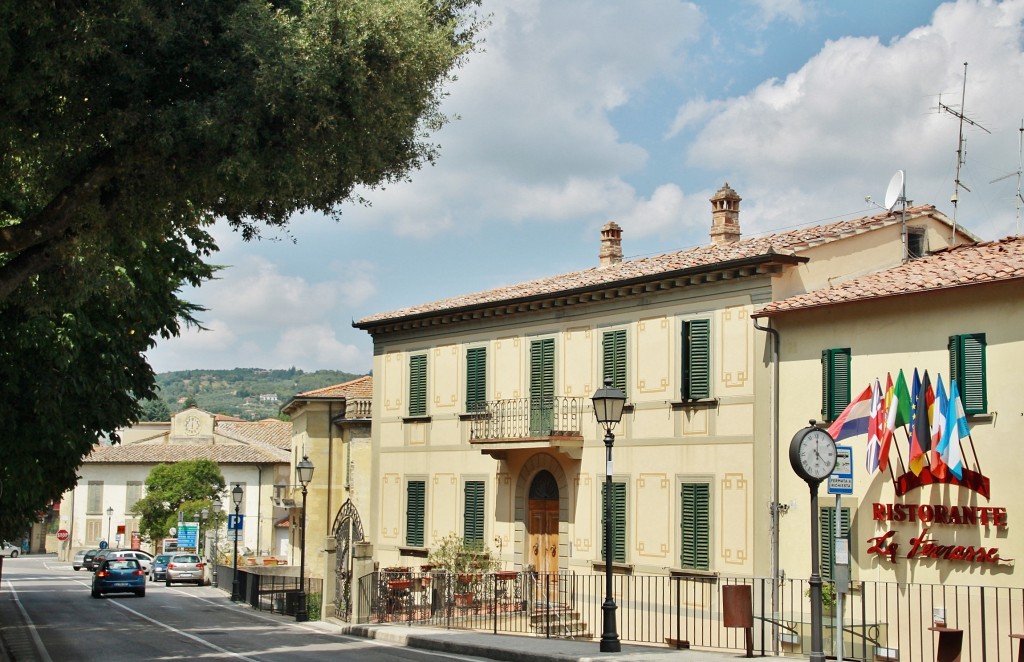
577	112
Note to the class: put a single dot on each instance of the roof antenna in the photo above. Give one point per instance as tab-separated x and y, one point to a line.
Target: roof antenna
1017	199
959	149
896	194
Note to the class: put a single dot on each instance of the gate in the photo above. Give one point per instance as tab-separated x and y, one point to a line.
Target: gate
348	530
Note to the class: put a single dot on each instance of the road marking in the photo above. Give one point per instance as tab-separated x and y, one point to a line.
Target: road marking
30	625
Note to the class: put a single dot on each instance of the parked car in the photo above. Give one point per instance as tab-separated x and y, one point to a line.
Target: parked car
79	559
7	549
118	575
185	568
87	560
158	569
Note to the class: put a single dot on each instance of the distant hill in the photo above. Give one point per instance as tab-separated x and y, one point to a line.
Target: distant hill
249	393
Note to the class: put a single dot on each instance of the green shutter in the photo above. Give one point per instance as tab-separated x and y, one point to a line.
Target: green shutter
473	515
967	367
695	524
696	359
614	364
827	529
418	385
835	382
476	379
415	509
542	386
618	522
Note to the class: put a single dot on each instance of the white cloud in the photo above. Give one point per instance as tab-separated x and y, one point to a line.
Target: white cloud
314	346
794	11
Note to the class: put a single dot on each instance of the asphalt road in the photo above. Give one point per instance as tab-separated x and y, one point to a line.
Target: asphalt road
47	615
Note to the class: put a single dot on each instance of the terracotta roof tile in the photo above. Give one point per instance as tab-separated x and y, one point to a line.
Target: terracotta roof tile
789	243
986	262
156	454
357	388
270	431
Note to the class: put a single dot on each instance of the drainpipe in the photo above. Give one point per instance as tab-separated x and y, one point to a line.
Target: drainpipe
774	507
330	463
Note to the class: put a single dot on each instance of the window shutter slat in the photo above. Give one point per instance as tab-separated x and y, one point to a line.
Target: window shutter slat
695	525
473	518
414	512
476	379
835	382
614	357
697	359
618	522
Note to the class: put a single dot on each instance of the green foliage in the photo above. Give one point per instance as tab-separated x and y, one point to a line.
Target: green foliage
126	129
828	595
466	561
188	486
314	604
155	410
237	392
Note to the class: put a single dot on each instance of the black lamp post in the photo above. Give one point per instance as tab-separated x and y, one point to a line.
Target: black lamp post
203	514
236	496
608	403
110	514
304	471
216	508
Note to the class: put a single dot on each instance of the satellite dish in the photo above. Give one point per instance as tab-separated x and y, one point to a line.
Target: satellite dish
895	193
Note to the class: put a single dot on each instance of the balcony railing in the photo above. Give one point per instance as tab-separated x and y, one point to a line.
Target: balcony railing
358	408
524	418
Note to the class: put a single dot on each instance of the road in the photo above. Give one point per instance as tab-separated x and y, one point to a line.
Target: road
47	615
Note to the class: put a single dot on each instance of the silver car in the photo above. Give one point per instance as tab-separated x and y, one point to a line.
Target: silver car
186	568
7	549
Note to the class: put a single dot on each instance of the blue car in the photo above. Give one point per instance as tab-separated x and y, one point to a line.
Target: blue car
119	575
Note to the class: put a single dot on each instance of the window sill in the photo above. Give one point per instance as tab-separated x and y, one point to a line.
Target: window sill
710	403
617	568
418	552
416	419
697	575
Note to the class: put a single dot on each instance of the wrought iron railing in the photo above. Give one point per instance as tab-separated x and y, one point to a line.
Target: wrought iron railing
271	592
522	418
881	621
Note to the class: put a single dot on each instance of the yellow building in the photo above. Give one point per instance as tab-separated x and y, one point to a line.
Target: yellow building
948	545
483	424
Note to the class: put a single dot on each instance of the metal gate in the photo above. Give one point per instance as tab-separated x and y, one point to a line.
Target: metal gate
348	530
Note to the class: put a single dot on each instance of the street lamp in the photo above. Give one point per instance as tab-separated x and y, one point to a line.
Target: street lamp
204	513
110	514
216	506
236	496
608	403
304	471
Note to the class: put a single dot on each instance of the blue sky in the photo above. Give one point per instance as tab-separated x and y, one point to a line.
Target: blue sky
577	112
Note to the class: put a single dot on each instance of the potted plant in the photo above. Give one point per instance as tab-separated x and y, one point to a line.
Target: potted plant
828	597
465	563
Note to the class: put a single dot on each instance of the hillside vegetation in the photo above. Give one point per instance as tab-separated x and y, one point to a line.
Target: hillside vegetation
249	393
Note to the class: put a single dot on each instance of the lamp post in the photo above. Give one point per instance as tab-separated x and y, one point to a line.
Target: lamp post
203	514
216	506
236	496
304	471
608	403
110	514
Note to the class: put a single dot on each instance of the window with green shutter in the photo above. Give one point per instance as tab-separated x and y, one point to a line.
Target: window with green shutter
613	345
542	386
835	382
418	385
696	378
476	379
415	511
695	526
473	514
967	367
618	522
827	527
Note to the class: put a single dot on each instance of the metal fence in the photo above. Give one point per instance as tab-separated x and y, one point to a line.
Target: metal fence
272	592
881	621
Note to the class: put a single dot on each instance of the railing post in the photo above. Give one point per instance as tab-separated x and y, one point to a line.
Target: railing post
494	599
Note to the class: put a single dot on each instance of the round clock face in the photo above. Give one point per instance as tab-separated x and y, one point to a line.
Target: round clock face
813	454
192	425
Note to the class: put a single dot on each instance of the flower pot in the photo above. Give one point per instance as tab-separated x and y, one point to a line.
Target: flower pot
464	599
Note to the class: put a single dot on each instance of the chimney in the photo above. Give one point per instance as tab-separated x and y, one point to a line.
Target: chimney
611	244
725	216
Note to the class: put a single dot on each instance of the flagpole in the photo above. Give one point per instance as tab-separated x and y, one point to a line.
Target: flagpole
973	452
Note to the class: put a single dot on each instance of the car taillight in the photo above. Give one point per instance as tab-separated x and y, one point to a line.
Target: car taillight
199	565
170	565
102	573
138	572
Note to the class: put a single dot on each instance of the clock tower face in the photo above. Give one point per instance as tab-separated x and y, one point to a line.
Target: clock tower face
192	424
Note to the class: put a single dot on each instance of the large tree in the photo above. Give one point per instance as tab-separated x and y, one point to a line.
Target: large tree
126	128
187	487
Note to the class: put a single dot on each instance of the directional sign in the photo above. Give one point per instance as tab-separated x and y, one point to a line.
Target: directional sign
236	522
188	535
62	535
841	480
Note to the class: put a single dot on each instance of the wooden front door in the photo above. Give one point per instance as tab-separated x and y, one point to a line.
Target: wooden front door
542	531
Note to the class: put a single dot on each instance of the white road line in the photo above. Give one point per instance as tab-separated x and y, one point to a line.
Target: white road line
31	626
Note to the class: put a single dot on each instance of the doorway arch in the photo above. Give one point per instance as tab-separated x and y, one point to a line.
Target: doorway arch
553	485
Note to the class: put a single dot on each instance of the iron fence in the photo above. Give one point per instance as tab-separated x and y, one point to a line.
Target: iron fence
880	621
272	592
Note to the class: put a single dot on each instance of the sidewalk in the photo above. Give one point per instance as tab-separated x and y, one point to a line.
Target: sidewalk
514	648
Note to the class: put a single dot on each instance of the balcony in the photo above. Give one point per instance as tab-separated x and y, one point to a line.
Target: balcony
498	426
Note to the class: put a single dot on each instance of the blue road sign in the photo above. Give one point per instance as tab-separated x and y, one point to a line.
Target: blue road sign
841	480
235	522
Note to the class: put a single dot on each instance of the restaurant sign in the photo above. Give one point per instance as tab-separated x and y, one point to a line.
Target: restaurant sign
924	546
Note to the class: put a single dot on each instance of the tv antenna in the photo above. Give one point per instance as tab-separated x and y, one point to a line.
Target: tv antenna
1017	199
896	194
960	151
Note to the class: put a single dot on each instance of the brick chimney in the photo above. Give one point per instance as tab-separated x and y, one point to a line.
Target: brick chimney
611	244
725	216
